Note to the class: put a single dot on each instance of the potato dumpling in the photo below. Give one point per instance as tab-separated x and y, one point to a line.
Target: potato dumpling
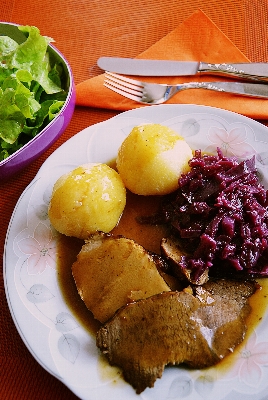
151	159
92	197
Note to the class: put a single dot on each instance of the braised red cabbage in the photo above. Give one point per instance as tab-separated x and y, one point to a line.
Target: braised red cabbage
220	215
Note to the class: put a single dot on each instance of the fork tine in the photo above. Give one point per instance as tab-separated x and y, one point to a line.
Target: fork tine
114	76
123	86
122	92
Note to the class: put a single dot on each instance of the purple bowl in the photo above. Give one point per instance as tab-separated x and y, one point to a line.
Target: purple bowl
41	142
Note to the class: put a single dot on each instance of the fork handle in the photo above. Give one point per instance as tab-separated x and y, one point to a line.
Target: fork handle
239	70
240	88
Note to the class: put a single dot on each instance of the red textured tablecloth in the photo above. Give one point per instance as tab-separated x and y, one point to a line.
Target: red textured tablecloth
85	30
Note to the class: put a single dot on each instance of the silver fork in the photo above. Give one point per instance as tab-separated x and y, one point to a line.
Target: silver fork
156	93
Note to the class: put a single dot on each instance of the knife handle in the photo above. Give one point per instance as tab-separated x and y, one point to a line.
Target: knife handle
227	69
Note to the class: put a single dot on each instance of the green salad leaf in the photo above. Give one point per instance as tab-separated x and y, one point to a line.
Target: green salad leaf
31	89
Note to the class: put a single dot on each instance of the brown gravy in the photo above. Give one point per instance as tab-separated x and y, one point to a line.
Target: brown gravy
149	237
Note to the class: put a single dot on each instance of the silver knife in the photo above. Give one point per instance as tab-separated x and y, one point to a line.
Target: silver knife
142	67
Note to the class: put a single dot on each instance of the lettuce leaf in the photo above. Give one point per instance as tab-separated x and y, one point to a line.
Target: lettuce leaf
31	92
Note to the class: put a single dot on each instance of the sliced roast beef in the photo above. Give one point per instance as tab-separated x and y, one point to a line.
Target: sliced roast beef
171	250
198	328
111	271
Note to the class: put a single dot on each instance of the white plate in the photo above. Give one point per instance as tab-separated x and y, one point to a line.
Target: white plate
49	329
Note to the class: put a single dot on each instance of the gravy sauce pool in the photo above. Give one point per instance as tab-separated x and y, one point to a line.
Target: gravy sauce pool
149	237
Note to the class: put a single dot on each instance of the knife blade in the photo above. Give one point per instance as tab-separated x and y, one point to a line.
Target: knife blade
142	67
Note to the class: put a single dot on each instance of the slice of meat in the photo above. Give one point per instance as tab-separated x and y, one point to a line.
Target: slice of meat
111	271
170	249
230	289
174	328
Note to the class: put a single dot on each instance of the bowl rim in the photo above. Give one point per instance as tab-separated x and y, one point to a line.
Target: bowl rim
70	94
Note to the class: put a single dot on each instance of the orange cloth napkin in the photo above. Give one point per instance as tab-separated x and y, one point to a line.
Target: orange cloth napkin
197	38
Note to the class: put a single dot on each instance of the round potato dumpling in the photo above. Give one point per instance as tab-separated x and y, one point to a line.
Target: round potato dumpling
90	198
152	158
